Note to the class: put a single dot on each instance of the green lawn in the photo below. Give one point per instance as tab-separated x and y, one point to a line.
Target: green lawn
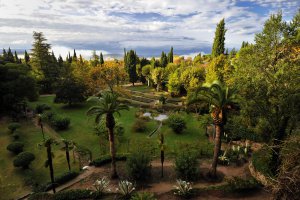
13	181
82	132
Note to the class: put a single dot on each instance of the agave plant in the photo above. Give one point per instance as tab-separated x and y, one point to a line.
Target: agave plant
183	188
125	188
101	186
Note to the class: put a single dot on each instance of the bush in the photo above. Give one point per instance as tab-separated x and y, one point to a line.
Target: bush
186	165
13	127
261	161
143	196
237	184
15	147
65	177
183	188
138	165
106	159
59	180
139	126
40	108
60	123
24	159
125	189
176	123
56	121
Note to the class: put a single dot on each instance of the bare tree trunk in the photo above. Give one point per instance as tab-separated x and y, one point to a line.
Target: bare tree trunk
217	148
49	155
112	153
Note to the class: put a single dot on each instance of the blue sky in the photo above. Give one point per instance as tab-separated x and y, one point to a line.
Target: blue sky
148	26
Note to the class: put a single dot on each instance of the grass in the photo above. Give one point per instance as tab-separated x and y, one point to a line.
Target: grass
15	182
82	132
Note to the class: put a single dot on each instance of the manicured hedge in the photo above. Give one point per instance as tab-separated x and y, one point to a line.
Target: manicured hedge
106	159
15	147
58	122
59	180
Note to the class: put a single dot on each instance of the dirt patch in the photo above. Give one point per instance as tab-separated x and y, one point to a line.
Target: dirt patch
162	187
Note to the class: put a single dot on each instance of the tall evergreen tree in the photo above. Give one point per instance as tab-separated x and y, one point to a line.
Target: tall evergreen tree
170	56
74	56
101	59
130	65
4	54
219	40
163	60
26	57
80	59
40	55
17	60
10	56
60	61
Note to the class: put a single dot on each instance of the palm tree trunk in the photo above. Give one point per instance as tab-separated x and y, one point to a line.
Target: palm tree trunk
68	156
49	155
112	153
217	148
162	159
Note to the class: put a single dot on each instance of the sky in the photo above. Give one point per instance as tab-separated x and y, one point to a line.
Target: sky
147	26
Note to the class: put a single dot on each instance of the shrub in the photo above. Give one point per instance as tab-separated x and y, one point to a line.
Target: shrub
24	159
176	123
13	127
139	126
261	160
183	188
143	196
15	147
56	121
65	177
106	159
60	123
59	180
125	188
40	108
186	165
138	165
237	184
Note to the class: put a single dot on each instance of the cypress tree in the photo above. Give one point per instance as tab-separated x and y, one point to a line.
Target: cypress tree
170	56
101	59
60	61
10	56
163	60
80	59
4	54
26	57
130	65
74	56
219	40
16	58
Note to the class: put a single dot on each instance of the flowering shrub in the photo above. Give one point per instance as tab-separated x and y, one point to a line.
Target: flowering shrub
125	188
183	188
101	186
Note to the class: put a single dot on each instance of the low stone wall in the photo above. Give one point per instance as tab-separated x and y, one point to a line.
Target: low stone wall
259	176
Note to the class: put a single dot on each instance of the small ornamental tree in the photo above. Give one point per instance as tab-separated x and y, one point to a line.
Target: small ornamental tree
15	147
13	126
24	159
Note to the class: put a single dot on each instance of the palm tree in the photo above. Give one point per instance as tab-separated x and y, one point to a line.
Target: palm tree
68	145
221	99
161	142
48	144
108	105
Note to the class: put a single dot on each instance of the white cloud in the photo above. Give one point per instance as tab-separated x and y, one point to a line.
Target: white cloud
116	24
